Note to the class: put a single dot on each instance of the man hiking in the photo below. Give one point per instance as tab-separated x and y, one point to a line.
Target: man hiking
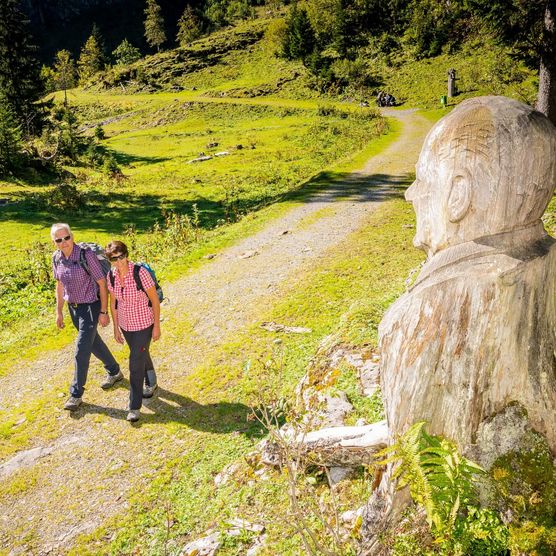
81	282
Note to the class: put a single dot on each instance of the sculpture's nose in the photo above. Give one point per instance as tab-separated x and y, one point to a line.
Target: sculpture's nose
412	191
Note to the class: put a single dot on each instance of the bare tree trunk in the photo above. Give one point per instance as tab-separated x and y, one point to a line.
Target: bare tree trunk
546	100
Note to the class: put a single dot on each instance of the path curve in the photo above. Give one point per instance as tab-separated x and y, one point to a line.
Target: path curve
219	300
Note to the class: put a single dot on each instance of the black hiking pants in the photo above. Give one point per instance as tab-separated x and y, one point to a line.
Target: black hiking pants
140	362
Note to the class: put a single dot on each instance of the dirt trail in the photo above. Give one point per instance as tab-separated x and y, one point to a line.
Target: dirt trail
95	448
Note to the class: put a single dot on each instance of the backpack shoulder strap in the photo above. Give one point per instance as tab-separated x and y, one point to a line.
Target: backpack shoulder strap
138	283
83	261
111	277
137	277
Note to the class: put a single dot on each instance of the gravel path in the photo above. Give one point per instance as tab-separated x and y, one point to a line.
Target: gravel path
95	459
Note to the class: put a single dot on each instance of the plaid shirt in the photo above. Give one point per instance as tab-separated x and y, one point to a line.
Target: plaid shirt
79	287
134	312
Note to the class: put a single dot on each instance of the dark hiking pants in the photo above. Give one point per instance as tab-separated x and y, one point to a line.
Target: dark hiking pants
85	318
140	362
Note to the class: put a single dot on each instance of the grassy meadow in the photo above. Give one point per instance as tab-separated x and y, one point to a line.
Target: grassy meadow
269	150
282	142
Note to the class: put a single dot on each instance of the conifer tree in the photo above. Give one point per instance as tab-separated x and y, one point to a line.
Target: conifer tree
189	27
10	137
95	32
299	40
154	25
21	85
126	53
64	72
90	60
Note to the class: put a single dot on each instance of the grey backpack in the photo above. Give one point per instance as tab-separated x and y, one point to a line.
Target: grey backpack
96	249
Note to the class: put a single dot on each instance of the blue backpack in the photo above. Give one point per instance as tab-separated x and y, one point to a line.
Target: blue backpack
136	268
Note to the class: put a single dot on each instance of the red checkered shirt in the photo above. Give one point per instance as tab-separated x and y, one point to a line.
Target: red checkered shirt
134	312
79	287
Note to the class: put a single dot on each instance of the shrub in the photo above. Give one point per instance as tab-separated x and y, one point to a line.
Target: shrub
66	197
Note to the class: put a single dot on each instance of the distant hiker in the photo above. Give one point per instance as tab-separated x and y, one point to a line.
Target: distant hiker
385	99
81	282
135	308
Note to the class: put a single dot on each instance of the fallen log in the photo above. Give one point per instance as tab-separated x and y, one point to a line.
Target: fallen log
332	446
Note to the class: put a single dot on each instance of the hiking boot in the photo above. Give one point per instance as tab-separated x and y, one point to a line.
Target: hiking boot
73	403
110	380
133	415
148	391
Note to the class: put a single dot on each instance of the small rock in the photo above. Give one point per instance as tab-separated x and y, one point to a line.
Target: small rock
348	517
227	474
275	327
222	153
336	409
337	474
212	145
200	158
284	232
248	254
238	525
206	546
210	256
256	547
354	359
369	377
25	458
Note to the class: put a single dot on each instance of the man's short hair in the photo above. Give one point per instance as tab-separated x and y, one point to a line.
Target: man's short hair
59	226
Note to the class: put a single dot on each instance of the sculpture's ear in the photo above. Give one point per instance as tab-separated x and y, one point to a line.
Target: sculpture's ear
459	199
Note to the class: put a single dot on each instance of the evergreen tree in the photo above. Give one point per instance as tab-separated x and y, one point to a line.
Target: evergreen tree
299	40
154	25
239	9
95	32
90	60
20	82
215	13
10	137
126	53
189	27
64	72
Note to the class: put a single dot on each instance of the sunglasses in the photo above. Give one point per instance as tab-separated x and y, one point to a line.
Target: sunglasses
60	239
116	258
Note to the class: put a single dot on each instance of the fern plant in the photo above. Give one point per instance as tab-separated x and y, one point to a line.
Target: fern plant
438	477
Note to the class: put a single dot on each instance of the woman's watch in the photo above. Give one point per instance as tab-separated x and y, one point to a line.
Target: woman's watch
104	312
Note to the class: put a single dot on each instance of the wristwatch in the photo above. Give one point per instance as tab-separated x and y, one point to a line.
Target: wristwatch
104	312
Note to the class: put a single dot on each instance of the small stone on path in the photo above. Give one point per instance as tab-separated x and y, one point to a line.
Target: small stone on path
248	254
275	327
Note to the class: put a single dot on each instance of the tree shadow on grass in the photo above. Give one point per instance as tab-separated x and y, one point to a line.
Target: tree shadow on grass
127	159
171	407
112	213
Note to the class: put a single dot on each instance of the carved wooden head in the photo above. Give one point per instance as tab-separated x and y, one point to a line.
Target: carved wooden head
487	167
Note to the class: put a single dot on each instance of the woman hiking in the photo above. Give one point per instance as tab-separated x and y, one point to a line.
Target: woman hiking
135	310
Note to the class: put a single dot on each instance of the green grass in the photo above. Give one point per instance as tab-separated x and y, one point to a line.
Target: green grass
482	69
283	148
370	265
17	347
